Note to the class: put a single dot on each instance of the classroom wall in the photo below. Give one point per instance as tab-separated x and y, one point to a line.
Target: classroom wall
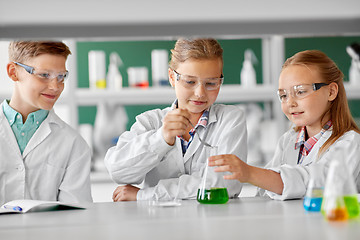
138	53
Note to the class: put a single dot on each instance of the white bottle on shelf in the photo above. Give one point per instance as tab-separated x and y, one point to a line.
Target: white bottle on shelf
248	74
354	72
159	67
114	78
97	69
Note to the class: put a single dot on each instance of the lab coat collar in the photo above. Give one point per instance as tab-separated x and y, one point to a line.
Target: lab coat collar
313	156
194	146
51	122
7	133
212	115
9	112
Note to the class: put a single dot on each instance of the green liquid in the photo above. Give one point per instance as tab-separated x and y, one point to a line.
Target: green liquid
213	196
352	205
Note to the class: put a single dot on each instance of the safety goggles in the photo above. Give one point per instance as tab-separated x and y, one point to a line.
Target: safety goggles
44	75
192	82
299	91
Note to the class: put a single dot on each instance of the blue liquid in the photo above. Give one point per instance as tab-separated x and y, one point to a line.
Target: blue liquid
312	204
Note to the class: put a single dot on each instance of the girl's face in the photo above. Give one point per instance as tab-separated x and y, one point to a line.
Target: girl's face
309	110
196	99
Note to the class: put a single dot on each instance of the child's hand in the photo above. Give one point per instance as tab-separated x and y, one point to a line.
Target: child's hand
175	123
125	193
231	163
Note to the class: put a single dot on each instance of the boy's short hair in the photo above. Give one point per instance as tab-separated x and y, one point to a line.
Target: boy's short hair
21	51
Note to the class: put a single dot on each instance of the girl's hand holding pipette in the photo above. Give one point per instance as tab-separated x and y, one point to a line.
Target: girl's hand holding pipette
175	123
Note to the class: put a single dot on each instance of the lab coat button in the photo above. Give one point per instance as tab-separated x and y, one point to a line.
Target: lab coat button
20	167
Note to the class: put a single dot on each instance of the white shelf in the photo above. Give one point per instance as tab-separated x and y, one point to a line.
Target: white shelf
237	93
151	30
126	96
166	95
352	91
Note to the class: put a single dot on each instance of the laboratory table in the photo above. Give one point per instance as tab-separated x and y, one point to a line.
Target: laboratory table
244	218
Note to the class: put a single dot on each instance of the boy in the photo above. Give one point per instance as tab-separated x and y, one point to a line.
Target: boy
41	157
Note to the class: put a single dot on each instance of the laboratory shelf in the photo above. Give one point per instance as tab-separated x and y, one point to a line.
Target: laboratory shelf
352	91
165	95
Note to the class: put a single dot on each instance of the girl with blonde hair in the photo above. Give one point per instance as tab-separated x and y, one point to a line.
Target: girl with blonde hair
163	148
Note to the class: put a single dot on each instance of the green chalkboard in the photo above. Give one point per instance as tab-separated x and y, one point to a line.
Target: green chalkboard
335	48
138	53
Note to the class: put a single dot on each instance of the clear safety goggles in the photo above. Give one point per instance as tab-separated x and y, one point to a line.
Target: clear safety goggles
299	91
44	75
192	82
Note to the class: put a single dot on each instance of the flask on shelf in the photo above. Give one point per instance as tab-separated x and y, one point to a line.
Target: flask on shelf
97	69
114	78
212	188
314	192
159	67
248	74
354	72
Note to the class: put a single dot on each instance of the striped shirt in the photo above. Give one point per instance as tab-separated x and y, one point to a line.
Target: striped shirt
306	145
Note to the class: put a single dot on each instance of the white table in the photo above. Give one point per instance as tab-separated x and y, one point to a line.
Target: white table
244	218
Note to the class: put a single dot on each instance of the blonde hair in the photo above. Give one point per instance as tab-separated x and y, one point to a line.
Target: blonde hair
21	51
200	48
342	120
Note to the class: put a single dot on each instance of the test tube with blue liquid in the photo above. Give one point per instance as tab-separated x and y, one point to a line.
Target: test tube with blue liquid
314	193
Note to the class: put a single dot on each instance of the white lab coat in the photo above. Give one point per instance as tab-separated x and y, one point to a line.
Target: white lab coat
55	164
296	176
142	154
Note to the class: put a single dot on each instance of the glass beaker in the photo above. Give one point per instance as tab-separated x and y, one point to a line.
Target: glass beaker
212	188
314	192
138	77
333	207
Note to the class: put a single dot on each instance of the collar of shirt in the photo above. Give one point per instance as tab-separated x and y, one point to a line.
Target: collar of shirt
309	144
13	116
10	113
23	131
